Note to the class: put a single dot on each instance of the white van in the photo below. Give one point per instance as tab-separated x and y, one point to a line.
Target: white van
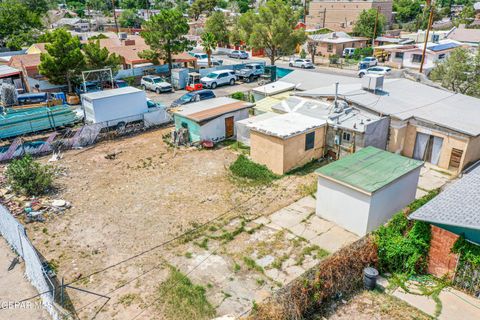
348	52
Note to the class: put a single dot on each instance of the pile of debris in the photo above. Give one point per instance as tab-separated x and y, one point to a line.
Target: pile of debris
32	209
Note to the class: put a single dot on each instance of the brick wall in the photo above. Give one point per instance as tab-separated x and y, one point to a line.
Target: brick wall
441	260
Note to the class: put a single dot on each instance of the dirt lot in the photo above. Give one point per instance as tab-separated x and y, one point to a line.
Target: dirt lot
145	194
375	305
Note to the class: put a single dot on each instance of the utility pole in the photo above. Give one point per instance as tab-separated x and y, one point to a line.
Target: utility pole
324	16
430	20
115	16
375	28
305	11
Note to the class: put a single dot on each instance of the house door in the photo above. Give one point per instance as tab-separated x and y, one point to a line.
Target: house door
427	148
228	127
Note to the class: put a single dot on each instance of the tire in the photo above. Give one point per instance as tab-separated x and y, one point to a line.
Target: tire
290	65
361	75
232	82
121	126
158	91
250	78
144	88
213	85
303	66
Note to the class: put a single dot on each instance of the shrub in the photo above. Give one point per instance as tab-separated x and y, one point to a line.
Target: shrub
303	54
245	168
238	95
29	177
468	251
333	58
359	53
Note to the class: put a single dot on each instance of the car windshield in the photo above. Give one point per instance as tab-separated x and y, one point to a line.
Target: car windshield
158	80
202	56
187	97
212	75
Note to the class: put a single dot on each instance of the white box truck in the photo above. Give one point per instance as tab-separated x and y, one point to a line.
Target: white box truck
115	107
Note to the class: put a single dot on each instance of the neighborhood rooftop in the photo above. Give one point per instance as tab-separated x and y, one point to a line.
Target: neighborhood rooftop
212	108
287	125
307	80
369	169
110	93
457	205
404	99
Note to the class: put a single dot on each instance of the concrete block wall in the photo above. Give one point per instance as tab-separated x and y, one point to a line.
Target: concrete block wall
441	260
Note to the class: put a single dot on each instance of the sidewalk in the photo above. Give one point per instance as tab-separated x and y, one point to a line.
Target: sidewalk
456	305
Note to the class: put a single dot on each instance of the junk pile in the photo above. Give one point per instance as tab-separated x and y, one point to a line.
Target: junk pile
32	209
181	137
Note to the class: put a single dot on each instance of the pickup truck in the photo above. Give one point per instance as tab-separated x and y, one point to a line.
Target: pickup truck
250	72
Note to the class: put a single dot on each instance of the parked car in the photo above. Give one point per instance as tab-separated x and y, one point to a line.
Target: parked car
193	96
202	58
250	72
238	54
218	78
370	61
155	83
88	86
348	52
203	63
301	63
375	70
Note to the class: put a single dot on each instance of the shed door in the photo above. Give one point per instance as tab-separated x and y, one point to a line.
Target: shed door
228	127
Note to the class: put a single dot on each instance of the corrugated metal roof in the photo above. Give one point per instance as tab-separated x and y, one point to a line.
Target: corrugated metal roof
369	169
457	205
6	71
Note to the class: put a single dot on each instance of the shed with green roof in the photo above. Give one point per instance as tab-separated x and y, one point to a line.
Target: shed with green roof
362	191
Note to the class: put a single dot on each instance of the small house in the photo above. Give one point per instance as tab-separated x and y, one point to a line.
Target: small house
335	42
362	191
287	141
452	213
212	119
242	127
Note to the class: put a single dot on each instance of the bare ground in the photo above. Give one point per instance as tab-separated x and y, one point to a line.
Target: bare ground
144	196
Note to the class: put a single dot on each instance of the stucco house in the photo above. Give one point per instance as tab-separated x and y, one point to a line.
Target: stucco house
362	191
212	120
287	141
333	43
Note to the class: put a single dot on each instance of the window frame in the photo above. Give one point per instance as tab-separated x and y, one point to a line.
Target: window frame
309	145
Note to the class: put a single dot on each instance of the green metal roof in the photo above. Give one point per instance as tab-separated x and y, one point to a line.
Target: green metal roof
369	169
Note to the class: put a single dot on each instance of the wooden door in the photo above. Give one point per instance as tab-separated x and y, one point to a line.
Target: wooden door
455	158
228	127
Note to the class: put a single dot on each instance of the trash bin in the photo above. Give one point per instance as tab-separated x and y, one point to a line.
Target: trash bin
370	276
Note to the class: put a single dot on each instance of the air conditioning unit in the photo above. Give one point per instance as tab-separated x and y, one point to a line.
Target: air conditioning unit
122	35
372	82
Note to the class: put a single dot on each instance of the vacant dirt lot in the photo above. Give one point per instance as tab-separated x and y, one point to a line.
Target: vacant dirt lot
141	195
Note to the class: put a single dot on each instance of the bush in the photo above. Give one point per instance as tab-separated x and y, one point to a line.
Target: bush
238	95
334	58
303	54
403	244
29	177
245	168
360	53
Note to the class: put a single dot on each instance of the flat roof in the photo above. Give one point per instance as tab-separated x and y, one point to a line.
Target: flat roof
287	125
307	80
369	169
457	205
211	108
110	93
260	117
274	88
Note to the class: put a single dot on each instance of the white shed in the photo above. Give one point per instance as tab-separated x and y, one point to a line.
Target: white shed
362	191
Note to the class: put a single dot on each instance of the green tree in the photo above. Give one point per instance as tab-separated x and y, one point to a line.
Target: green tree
38	6
467	15
63	60
460	72
165	34
244	5
209	43
201	6
100	58
217	24
406	10
129	19
365	24
134	4
19	24
272	28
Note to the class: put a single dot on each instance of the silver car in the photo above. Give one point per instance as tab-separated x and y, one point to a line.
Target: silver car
238	54
218	78
384	71
301	63
155	83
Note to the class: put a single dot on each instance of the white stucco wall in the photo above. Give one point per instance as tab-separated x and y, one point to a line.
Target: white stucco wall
392	198
343	205
215	129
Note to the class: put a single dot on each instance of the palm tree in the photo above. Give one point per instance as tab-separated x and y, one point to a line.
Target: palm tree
209	43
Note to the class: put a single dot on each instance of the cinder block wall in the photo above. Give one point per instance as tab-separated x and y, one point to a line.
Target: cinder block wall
441	260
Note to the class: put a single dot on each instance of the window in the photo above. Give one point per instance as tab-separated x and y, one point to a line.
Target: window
329	47
441	56
399	55
346	136
309	140
222	75
417	58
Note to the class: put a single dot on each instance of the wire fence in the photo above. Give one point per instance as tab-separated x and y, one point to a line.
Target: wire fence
14	233
467	277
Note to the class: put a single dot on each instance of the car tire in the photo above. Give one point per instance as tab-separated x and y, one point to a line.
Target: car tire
232	82
361	75
290	65
213	85
158	91
250	78
303	66
144	88
121	127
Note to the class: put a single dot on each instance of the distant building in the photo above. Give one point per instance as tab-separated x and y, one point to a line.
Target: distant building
470	37
341	15
333	43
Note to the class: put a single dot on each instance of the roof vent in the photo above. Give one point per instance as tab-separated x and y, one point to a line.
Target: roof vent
372	82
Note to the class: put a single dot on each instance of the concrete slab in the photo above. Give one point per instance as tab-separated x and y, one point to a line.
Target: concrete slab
334	239
420	193
431	179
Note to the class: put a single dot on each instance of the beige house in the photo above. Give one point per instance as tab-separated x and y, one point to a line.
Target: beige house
334	43
340	15
426	123
287	141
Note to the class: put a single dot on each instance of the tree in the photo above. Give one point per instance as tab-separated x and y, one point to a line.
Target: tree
201	6
406	10
19	24
133	4
467	15
100	58
165	34
38	6
312	49
365	25
272	28
63	60
209	43
460	72
217	24
129	19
